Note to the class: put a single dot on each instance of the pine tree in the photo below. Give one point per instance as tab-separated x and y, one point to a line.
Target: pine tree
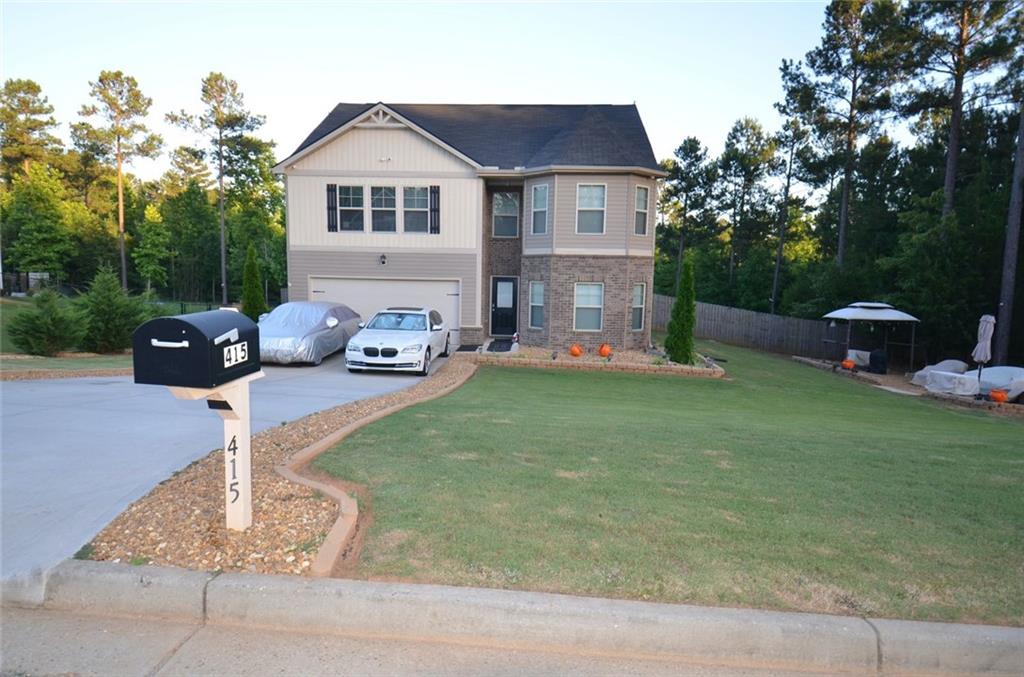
253	303
26	120
679	343
48	327
111	314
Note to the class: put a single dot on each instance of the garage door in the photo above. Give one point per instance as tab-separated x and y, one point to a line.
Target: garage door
367	296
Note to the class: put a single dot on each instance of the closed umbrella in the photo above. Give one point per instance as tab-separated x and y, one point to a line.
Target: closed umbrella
983	351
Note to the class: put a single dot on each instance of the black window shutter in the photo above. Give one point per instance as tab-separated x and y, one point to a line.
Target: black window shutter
332	208
435	210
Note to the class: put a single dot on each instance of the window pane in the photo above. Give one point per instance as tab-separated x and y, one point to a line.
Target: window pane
638	295
590	221
640	223
540	197
540	221
351	219
536	316
588	319
350	196
384	221
415	198
638	318
641	198
415	222
382	197
506	204
589	294
506	226
590	197
537	293
504	295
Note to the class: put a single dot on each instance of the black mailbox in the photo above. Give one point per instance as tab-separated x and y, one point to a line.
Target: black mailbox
199	350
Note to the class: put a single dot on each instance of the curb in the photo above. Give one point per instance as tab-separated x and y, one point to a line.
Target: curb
510	619
348	513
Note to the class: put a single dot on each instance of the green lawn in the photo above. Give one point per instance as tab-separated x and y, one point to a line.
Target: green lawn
783	487
66	363
9	307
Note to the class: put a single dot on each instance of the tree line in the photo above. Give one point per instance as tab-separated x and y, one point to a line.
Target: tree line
896	175
70	210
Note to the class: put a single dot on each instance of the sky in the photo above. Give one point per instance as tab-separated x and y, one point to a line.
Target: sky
691	68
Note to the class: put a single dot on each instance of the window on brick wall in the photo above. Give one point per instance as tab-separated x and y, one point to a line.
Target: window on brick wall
588	306
505	220
639	294
536	305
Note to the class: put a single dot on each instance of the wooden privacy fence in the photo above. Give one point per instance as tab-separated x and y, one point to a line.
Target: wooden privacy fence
750	329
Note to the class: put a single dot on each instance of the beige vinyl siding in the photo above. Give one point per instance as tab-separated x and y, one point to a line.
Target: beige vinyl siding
535	244
616	224
307	214
304	264
382	150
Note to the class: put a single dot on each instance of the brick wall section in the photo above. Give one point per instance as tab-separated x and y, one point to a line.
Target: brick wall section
560	275
501	256
672	369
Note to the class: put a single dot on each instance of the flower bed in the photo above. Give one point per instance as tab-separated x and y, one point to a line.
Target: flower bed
629	361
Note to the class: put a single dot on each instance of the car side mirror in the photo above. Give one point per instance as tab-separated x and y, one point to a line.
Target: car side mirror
262	317
362	325
332	322
435	327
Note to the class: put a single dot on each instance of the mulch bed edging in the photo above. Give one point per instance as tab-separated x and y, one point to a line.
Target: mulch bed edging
43	374
590	365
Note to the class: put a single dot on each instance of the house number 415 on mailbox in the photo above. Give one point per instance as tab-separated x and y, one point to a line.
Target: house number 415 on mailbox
236	354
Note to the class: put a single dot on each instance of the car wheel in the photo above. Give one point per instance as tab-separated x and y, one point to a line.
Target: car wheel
447	342
426	363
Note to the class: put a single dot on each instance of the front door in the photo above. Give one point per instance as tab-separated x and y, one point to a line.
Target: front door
504	306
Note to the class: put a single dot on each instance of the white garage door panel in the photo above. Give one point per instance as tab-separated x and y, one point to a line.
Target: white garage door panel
367	296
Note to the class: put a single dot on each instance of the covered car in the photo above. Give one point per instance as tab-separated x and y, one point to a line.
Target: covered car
306	331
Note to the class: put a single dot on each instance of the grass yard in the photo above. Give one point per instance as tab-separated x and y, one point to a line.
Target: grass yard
783	487
9	307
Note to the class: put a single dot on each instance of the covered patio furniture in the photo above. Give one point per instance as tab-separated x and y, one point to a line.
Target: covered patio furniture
954	366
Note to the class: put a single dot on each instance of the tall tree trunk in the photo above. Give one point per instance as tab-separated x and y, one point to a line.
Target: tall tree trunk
120	217
956	115
682	246
783	222
223	236
1005	313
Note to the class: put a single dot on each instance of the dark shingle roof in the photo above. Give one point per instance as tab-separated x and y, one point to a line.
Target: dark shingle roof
509	136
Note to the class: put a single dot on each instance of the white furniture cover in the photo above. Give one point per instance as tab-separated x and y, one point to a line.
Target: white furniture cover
1010	379
861	358
951	382
954	366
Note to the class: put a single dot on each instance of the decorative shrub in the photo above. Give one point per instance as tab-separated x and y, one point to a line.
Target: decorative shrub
679	343
253	303
50	326
111	315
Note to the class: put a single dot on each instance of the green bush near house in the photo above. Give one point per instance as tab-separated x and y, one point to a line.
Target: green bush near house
253	303
49	326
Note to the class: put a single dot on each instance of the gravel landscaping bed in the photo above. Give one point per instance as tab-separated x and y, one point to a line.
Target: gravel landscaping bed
625	360
181	521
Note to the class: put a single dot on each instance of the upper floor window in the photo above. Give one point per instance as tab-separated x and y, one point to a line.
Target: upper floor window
506	215
350	204
590	205
640	216
540	209
415	206
382	207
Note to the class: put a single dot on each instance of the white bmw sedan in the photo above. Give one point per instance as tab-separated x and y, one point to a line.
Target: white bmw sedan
399	339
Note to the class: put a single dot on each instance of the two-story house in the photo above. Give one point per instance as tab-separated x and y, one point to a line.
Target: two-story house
536	220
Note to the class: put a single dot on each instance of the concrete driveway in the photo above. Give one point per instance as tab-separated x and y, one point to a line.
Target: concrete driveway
76	452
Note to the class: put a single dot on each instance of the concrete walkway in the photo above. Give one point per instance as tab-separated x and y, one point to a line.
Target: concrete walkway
74	453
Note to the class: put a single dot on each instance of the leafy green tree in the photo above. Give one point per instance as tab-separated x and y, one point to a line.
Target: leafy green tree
50	326
93	240
192	223
26	123
111	314
253	303
121	135
34	223
86	166
223	119
679	342
152	249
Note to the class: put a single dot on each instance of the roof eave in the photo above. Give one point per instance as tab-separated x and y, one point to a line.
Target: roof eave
495	172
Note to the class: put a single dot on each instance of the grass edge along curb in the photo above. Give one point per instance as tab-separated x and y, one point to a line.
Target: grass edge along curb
46	374
348	509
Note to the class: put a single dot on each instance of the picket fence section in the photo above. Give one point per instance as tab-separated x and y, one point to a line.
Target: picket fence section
750	329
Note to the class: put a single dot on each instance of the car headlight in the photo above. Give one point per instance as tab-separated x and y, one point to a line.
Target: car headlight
355	348
415	348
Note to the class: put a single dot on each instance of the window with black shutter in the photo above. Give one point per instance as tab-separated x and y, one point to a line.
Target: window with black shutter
435	210
332	208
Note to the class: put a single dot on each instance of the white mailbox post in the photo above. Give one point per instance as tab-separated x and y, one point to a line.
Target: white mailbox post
231	401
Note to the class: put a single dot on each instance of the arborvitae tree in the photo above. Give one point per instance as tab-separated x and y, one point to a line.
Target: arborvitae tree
34	224
111	314
679	343
151	249
50	326
253	303
26	120
123	136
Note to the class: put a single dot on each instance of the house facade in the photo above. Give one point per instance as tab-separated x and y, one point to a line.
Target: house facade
529	220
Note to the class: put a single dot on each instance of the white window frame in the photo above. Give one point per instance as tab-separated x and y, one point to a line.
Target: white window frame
534	210
646	211
495	215
603	210
575	307
425	210
531	305
642	306
362	209
384	209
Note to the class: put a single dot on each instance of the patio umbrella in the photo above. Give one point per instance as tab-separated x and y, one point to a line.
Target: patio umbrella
982	352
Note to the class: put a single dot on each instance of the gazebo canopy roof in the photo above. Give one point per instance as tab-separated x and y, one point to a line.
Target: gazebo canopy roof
870	311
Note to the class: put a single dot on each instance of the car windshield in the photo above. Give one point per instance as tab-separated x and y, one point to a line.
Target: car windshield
399	322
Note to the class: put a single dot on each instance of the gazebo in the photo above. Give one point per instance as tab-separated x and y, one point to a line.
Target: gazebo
873	311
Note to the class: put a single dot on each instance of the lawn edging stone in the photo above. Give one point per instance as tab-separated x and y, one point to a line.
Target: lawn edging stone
591	365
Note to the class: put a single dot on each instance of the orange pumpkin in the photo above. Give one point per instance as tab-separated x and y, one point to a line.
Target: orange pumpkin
997	395
575	350
605	350
848	365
